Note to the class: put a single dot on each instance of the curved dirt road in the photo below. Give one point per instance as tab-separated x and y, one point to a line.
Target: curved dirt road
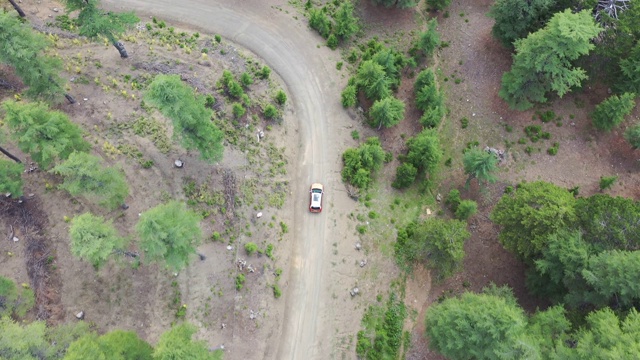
290	49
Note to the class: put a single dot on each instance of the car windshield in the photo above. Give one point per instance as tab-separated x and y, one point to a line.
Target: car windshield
317	191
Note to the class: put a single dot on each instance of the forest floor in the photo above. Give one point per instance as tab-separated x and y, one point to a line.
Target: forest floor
146	298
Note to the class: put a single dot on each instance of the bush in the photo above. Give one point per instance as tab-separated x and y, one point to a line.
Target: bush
246	79
235	89
632	135
15	300
238	110
281	97
611	112
250	248
349	96
240	279
209	101
264	72
276	291
405	176
453	200
607	182
438	4
332	42
361	163
319	21
466	209
270	111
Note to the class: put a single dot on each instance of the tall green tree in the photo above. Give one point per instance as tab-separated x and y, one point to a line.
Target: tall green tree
515	19
372	79
609	222
475	326
23	49
170	233
47	136
612	111
605	337
95	22
392	62
346	24
177	343
425	151
11	178
557	273
543	60
528	216
93	239
481	165
614	276
84	175
386	112
190	117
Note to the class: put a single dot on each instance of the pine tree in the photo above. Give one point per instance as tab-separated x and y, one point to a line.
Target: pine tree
612	111
543	60
386	112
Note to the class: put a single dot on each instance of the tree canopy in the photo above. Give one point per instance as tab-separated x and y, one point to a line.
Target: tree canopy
437	243
612	111
515	19
424	150
177	344
543	60
373	80
475	326
481	165
11	178
47	136
94	22
93	239
170	233
14	300
191	119
23	49
535	211
361	163
386	112
84	175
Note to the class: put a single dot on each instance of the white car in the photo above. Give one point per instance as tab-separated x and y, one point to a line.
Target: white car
316	192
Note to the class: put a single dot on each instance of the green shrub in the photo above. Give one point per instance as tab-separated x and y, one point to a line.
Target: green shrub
632	135
464	122
611	112
349	96
355	135
284	227
405	176
218	38
250	248
269	251
607	182
466	209
215	236
246	79
453	200
235	89
264	72
240	279
209	101
332	42
438	4
270	111
276	291
281	97
238	110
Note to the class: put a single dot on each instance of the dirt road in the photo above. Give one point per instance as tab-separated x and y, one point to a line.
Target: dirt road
290	49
